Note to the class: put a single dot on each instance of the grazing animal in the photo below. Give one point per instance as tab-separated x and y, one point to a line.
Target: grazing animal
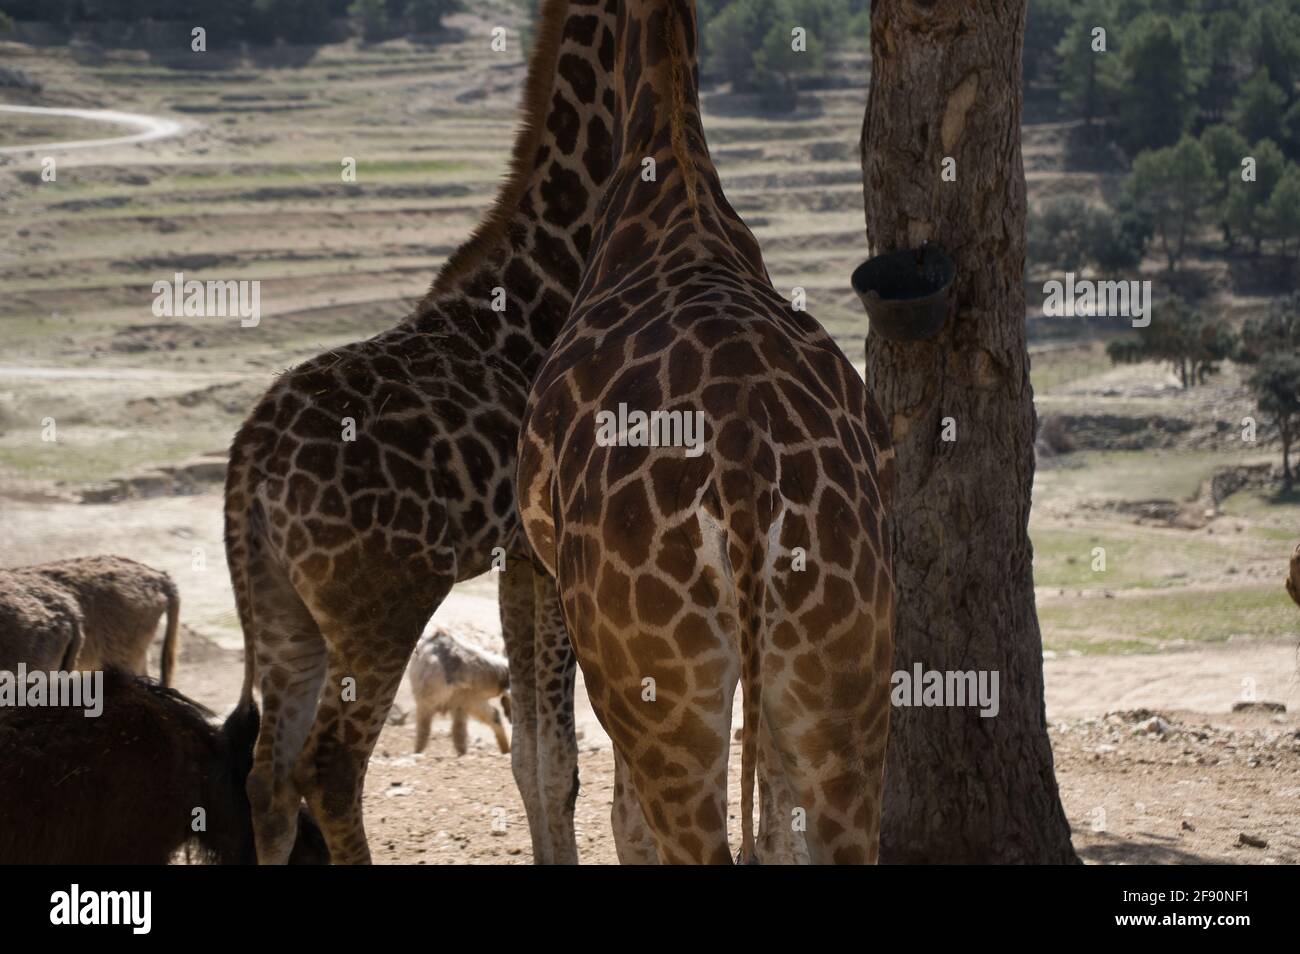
450	675
40	623
122	787
1293	579
87	613
370	479
735	531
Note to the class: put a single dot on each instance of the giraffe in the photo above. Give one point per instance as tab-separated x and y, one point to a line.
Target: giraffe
370	479
755	556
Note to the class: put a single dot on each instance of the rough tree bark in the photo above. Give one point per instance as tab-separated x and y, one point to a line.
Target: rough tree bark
945	82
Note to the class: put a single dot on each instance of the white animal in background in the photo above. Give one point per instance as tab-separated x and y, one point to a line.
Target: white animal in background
450	675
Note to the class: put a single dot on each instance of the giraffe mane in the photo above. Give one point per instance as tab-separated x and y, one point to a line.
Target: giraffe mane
535	102
674	42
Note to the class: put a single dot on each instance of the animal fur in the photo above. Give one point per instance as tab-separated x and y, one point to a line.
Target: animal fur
122	787
87	613
449	675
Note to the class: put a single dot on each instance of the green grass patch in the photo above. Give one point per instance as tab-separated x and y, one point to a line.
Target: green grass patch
1270	505
270	174
1130	475
1055	368
322	173
1152	621
1135	557
84	455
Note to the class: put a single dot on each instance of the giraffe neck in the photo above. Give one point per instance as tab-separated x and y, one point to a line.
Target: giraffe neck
535	238
679	195
656	81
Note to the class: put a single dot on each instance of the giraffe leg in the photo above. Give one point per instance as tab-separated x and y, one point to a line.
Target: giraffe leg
674	748
632	839
557	742
459	731
490	717
365	668
669	719
687	811
833	753
290	664
778	841
515	594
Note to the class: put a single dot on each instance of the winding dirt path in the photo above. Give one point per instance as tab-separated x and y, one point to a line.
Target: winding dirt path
148	128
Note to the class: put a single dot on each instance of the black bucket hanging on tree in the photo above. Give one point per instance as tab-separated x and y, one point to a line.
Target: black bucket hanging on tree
905	292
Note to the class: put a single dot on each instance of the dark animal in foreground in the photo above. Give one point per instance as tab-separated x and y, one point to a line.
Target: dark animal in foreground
123	787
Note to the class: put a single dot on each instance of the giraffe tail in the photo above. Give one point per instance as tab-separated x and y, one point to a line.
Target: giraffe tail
752	573
737	543
752	689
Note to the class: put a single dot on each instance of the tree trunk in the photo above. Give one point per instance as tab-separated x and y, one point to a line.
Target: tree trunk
946	81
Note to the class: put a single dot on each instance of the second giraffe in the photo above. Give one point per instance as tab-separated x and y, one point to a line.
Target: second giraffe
762	561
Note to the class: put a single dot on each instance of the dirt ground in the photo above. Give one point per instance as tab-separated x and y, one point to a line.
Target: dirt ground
1185	790
1205	786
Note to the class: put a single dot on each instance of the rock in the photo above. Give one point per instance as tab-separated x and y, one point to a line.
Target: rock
108	492
1259	707
204	469
150	483
1152	726
11	78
